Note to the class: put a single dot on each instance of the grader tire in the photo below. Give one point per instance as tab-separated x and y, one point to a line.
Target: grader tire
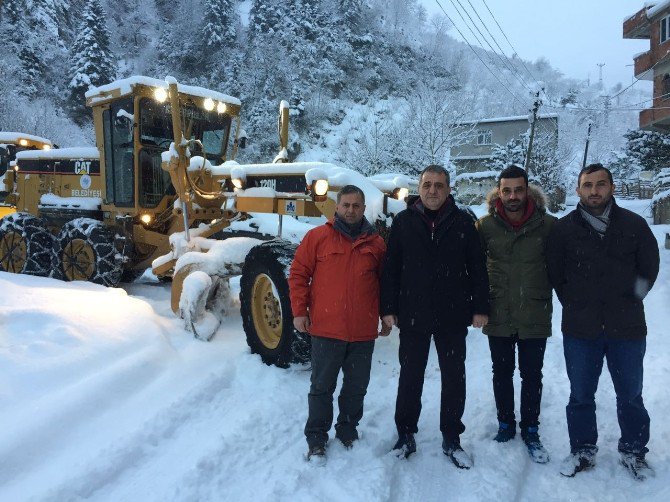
266	308
85	251
25	245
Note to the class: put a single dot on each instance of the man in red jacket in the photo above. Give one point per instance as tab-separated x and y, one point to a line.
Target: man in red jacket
334	283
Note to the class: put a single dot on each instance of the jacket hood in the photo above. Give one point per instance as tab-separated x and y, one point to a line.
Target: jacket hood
534	192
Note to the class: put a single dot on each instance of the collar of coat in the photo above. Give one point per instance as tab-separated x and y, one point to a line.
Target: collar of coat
366	230
534	192
442	213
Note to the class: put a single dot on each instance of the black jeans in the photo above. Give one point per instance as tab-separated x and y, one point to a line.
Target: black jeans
413	354
328	357
531	359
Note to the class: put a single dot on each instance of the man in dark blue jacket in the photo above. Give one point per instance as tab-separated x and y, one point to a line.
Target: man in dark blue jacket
602	261
434	285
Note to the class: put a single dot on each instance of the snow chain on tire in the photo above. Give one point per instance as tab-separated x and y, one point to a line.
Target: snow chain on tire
25	245
265	305
85	250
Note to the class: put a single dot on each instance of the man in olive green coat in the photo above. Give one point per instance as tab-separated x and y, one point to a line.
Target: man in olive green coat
514	236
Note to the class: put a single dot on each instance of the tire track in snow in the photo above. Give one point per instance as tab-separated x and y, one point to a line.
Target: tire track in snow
140	447
38	435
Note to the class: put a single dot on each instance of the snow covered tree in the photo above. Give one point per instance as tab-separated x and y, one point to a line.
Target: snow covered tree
32	71
513	152
220	27
91	59
265	17
648	149
11	10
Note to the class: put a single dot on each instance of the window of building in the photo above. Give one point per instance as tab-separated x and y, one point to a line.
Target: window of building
484	137
665	29
665	87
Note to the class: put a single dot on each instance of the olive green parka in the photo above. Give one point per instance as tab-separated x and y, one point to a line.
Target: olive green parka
519	289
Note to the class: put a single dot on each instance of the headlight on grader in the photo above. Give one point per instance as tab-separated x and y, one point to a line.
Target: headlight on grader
23	142
146	218
400	193
221	107
320	187
160	95
46	147
237	183
208	104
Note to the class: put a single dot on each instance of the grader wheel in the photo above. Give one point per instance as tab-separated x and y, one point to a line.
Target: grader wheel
85	251
266	308
25	245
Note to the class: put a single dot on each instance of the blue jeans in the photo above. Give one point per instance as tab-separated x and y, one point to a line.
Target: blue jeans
584	363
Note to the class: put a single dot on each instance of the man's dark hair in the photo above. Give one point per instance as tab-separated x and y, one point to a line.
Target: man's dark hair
593	168
347	189
435	168
513	171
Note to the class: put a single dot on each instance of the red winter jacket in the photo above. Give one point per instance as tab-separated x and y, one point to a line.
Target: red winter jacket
336	282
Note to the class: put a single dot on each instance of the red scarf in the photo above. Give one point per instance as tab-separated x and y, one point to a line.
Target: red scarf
528	212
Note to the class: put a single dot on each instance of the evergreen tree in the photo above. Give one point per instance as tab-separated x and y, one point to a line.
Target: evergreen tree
650	150
32	71
220	29
91	59
265	18
11	11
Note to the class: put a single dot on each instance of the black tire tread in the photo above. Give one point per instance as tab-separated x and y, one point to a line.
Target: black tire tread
274	259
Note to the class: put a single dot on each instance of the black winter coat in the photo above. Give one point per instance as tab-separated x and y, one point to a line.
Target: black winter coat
601	282
434	282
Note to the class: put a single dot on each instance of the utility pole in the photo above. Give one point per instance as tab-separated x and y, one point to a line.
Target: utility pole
586	148
600	72
536	108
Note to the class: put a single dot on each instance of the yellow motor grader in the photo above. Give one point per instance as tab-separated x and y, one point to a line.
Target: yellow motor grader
161	189
12	143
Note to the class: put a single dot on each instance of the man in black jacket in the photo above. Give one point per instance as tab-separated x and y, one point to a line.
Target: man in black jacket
602	261
434	284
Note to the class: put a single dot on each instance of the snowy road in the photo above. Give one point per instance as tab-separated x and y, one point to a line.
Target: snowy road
104	396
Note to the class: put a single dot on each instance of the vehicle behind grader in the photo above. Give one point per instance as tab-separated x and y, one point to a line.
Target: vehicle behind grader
161	190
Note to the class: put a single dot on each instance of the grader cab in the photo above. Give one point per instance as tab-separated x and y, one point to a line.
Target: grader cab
162	189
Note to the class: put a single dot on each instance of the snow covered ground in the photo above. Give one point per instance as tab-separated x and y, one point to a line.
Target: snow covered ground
104	396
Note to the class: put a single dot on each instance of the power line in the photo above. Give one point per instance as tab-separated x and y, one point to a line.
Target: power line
510	43
511	65
505	62
477	54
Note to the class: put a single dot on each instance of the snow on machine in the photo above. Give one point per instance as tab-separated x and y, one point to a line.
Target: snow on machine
162	190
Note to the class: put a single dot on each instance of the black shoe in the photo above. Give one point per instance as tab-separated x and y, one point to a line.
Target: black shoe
347	437
506	432
452	449
578	461
405	445
317	455
536	450
637	465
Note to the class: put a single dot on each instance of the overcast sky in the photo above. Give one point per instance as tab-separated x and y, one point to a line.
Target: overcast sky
574	35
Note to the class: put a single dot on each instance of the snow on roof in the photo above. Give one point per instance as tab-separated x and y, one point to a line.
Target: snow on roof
657	8
472	157
509	119
14	137
80	152
125	87
476	176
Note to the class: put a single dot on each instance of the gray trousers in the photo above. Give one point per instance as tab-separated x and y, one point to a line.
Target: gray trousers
328	357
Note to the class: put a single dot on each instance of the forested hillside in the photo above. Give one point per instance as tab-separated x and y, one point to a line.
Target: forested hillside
373	84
